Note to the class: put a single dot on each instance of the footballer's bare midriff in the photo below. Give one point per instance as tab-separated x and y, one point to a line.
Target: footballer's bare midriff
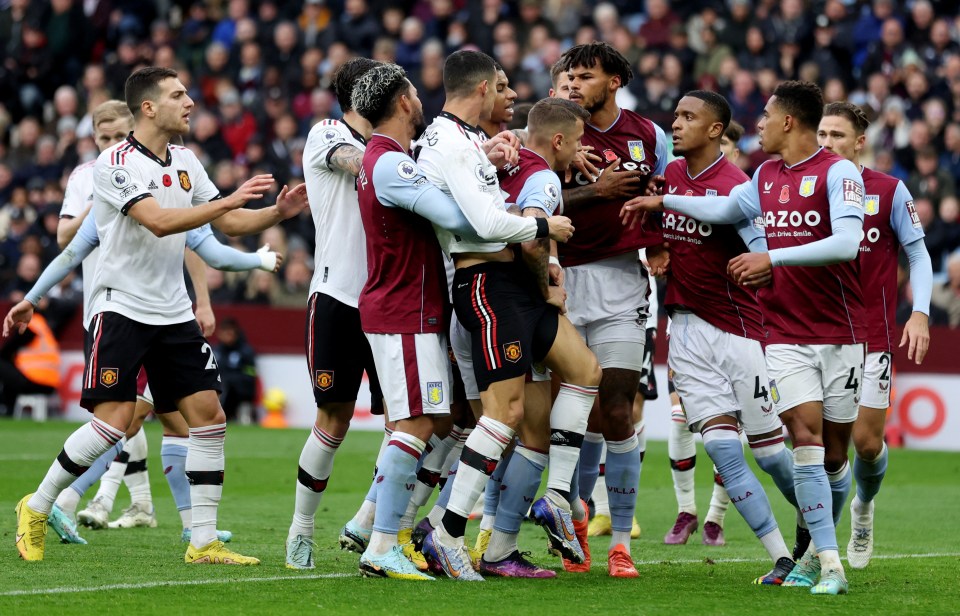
467	259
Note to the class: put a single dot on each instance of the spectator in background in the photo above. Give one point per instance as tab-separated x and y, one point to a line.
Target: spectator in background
28	270
655	31
950	159
357	28
715	52
237	362
238	125
947	295
733	31
886	55
756	55
19	225
938	316
929	179
935	231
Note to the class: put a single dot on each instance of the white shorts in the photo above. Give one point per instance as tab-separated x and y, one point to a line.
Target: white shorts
717	373
414	372
460	342
876	380
461	345
607	303
827	373
146	396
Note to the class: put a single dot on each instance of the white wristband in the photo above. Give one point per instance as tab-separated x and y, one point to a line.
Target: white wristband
554	261
268	260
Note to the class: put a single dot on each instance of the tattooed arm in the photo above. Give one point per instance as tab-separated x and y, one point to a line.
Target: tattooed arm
347	158
536	254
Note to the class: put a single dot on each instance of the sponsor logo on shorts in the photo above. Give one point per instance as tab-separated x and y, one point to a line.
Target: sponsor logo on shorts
512	352
324	379
109	376
774	391
434	392
766	409
184	178
883	386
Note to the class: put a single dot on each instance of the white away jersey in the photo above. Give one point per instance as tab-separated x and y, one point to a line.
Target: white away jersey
450	155
76	198
340	258
140	275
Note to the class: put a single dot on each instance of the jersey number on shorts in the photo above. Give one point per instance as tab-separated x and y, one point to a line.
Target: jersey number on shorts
760	392
211	361
885	362
852	381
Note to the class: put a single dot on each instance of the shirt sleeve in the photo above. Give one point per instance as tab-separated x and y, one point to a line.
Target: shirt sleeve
845	190
921	275
118	186
541	191
204	190
728	210
660	150
903	217
472	182
841	245
74	202
753	236
88	230
195	237
221	257
398	182
72	256
324	139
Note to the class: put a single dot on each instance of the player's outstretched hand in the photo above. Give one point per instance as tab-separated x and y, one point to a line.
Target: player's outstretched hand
560	228
556	296
269	261
251	190
916	332
751	269
502	155
634	210
18	317
292	202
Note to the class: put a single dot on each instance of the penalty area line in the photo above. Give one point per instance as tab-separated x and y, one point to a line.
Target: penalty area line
330	576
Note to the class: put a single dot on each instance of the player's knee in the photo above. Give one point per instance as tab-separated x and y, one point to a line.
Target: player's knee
592	374
868	447
833	461
512	414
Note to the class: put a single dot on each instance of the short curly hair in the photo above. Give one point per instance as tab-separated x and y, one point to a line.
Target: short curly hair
376	92
346	78
851	112
802	100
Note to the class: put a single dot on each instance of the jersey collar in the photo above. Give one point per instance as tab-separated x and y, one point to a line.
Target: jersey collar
355	134
461	123
146	152
805	160
709	167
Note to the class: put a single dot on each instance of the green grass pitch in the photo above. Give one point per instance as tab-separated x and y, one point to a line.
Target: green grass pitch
141	571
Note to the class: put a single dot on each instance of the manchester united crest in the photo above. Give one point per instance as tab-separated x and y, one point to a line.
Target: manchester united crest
636	150
324	379
109	376
184	178
512	351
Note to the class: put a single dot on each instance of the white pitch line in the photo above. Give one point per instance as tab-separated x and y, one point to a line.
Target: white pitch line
167	583
329	576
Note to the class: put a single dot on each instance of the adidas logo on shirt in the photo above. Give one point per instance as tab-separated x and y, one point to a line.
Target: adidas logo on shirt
152	185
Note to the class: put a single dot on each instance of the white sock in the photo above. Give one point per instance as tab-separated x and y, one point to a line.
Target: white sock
136	477
775	546
315	466
620	537
601	504
487	441
111	480
830	559
365	514
682	449
68	501
501	546
81	449
719	501
486	522
205	464
186	517
568	423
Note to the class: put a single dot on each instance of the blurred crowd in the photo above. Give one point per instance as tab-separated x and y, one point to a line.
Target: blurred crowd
260	71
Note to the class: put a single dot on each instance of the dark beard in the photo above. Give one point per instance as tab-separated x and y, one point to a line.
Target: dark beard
597	106
419	125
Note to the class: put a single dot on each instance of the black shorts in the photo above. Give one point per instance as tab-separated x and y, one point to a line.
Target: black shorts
648	377
177	357
510	324
338	353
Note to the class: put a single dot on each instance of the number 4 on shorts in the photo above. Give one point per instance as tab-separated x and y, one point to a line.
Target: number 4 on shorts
760	392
